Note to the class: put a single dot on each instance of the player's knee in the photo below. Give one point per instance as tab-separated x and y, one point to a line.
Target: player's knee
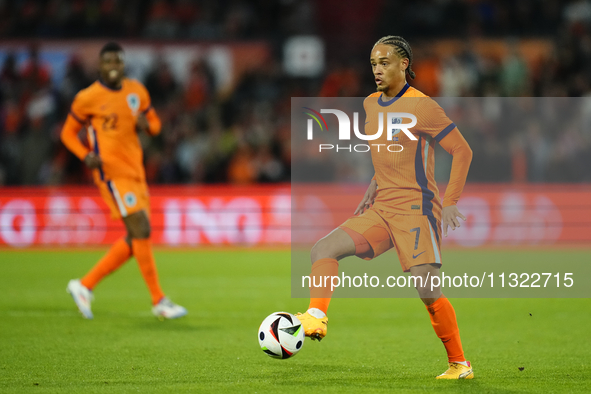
138	225
321	250
145	230
315	252
426	290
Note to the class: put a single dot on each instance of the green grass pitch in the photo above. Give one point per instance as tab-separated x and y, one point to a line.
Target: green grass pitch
373	345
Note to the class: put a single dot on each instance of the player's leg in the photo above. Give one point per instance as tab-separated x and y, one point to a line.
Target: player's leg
443	316
443	319
138	235
325	255
364	236
81	290
417	242
118	254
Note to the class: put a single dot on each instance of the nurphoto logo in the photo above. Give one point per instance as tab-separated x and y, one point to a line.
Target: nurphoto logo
393	121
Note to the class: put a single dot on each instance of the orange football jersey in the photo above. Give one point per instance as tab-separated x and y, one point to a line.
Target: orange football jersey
110	117
404	172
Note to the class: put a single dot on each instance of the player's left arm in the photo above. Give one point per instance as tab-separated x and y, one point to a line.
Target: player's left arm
147	120
455	144
433	122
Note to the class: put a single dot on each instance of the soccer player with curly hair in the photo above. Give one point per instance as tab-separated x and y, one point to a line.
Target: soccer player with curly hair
401	208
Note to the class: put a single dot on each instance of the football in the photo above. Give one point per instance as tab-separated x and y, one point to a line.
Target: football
281	335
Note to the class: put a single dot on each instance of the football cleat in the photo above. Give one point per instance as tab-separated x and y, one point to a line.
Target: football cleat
314	327
82	297
166	309
457	371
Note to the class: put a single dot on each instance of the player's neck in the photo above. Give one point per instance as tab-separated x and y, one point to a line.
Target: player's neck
394	90
111	85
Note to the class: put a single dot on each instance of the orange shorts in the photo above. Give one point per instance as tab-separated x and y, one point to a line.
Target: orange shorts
125	196
415	237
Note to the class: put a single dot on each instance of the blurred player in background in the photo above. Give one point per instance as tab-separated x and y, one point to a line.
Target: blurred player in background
401	208
113	110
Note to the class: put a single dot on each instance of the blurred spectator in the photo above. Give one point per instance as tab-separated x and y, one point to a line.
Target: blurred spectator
514	78
34	74
204	26
270	168
565	162
341	82
426	67
242	169
578	11
9	76
538	152
74	80
36	151
161	83
199	87
239	20
454	79
160	23
191	151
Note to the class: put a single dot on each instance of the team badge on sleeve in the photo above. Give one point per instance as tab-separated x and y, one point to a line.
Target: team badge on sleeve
133	101
130	199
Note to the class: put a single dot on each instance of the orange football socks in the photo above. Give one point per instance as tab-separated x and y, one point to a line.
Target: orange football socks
320	292
142	250
115	257
443	319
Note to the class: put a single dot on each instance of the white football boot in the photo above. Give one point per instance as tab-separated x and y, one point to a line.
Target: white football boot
166	309
82	297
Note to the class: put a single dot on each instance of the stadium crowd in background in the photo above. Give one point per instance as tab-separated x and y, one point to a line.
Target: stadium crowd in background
244	137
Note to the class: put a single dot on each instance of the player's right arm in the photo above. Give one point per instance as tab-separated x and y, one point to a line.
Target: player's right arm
147	120
368	198
372	191
76	120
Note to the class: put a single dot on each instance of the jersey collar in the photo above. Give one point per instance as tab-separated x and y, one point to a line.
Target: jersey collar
400	94
104	85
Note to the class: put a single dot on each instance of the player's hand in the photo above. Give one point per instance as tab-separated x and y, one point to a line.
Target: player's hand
142	123
368	198
92	161
449	217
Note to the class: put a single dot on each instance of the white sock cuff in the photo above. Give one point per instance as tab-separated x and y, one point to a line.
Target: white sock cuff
317	313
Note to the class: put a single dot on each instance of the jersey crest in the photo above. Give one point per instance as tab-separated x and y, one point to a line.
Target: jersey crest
133	101
396	131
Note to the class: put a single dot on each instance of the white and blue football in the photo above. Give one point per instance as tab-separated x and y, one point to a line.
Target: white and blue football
281	335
